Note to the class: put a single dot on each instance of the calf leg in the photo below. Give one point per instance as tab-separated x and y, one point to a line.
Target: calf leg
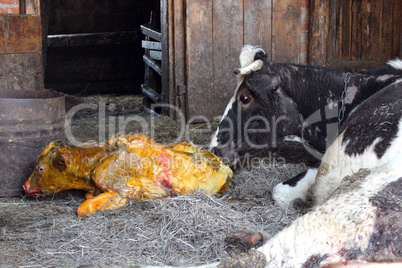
105	201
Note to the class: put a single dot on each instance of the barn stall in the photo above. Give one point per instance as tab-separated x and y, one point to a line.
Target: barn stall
114	63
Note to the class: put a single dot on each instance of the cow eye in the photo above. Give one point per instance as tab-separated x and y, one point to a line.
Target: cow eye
40	168
244	99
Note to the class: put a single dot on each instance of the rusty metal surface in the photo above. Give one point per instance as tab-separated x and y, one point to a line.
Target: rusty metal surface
29	120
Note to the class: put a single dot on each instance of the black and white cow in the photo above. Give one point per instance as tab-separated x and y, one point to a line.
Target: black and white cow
358	220
283	101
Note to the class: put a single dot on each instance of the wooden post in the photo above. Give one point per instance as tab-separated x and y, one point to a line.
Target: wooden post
318	34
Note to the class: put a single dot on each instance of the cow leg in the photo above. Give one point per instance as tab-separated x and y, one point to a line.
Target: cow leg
105	201
285	193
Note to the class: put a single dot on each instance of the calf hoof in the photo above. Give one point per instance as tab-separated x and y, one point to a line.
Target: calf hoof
244	240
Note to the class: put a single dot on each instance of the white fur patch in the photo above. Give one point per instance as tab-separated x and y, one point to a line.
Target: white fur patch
214	141
284	195
397	81
396	63
293	138
247	54
336	164
344	222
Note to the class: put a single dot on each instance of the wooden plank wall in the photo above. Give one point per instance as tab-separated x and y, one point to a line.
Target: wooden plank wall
354	35
21	46
368	30
215	32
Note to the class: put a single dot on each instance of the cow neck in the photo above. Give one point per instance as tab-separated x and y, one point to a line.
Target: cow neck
311	87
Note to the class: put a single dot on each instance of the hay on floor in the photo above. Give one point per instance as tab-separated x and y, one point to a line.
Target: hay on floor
185	230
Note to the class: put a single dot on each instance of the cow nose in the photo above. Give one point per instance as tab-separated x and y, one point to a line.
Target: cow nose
214	151
225	155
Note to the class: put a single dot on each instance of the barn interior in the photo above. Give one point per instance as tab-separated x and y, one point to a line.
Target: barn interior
163	68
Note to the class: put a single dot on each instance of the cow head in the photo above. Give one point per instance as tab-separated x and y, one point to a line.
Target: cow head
259	114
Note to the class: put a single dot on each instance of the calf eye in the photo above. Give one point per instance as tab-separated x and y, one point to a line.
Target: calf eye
40	168
244	99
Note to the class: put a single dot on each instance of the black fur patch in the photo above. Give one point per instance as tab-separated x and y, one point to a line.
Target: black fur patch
293	181
377	117
386	241
315	261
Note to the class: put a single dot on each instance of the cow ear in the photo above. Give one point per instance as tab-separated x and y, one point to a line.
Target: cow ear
60	163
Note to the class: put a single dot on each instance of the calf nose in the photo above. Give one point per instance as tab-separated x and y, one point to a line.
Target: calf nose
31	191
27	186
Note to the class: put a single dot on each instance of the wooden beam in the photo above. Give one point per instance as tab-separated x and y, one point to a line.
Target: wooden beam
155	55
92	39
153	64
148	30
178	58
318	32
151	45
150	93
32	7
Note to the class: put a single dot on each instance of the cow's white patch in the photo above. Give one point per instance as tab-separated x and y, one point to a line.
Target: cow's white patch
397	63
344	222
214	141
383	78
336	164
284	195
351	94
293	138
397	81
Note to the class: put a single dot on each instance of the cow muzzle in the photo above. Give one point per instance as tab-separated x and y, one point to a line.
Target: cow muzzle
228	156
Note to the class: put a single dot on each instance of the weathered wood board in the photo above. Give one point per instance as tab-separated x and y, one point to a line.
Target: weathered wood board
215	32
20	34
354	34
21	71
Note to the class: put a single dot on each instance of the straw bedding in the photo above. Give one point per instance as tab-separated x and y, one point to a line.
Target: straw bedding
188	230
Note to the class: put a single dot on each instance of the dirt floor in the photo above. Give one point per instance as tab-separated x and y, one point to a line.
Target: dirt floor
192	229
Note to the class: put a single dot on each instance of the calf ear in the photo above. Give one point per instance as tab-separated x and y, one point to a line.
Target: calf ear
51	147
60	163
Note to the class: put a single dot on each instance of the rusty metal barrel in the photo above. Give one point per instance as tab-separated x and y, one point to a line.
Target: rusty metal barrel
29	120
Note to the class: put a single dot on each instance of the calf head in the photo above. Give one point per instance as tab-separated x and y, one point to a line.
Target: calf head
56	171
259	114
